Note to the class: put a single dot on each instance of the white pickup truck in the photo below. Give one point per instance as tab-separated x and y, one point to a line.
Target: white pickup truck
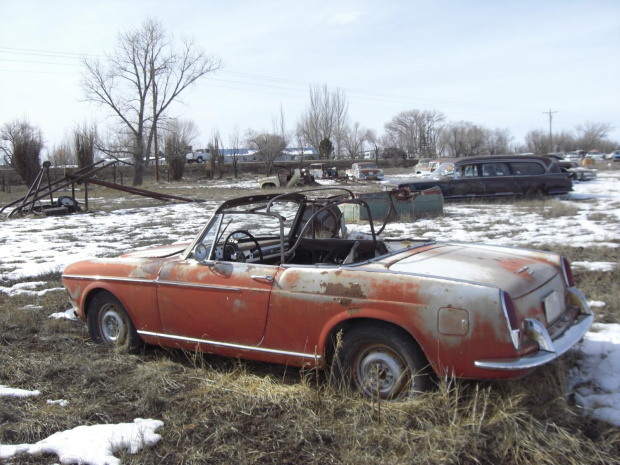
198	156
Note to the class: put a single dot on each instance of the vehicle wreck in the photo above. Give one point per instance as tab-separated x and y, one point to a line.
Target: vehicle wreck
492	176
281	277
395	204
287	179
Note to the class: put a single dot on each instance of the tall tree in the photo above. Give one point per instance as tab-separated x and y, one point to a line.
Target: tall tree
138	82
21	144
354	139
216	151
590	135
416	132
497	141
62	155
234	142
326	148
376	142
325	117
178	136
85	139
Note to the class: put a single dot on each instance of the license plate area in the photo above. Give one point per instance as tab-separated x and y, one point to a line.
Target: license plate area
553	307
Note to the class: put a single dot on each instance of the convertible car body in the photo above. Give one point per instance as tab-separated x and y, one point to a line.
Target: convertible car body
281	278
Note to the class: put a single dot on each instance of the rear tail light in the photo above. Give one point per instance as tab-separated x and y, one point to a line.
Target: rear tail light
568	273
510	312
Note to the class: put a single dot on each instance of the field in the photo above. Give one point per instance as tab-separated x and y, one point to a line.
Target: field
219	410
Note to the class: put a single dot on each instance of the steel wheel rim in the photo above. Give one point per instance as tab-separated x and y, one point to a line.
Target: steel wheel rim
112	324
381	372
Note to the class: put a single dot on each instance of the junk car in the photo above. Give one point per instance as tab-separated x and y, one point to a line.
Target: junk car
321	171
282	278
364	171
492	176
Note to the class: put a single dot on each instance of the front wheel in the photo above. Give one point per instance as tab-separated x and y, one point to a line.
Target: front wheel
382	362
109	323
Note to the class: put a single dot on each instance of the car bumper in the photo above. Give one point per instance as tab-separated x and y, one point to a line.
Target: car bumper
548	349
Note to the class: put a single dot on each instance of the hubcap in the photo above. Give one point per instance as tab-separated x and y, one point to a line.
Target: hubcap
112	324
381	372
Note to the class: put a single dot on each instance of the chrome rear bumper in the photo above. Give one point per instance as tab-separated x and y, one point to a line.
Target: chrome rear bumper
548	349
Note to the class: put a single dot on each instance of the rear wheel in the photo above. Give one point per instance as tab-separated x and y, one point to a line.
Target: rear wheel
383	362
109	323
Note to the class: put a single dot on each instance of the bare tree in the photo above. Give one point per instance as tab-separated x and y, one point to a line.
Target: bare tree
234	141
301	142
537	141
216	151
497	141
354	139
325	118
145	68
376	142
463	139
62	155
21	144
178	136
269	145
415	132
85	139
591	135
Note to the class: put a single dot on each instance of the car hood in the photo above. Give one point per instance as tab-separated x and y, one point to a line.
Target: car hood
516	271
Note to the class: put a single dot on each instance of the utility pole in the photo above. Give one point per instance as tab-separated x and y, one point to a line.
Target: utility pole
550	113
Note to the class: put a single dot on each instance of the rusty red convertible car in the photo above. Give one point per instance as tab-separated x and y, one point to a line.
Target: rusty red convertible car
281	278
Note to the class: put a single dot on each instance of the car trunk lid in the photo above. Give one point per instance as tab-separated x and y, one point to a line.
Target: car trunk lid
518	274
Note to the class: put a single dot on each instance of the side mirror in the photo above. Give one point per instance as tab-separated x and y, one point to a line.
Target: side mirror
201	252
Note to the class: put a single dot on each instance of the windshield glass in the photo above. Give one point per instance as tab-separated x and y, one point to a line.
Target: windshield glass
444	170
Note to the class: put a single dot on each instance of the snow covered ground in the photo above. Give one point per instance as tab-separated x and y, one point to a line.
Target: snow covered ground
33	247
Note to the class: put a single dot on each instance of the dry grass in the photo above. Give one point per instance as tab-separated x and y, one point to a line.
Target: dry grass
219	410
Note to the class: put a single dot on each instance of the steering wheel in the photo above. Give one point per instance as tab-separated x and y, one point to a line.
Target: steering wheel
246	233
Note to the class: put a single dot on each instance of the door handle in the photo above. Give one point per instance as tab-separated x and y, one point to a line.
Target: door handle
267	278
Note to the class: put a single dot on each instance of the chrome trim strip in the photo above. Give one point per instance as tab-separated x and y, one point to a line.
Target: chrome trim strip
560	345
230	345
200	286
109	278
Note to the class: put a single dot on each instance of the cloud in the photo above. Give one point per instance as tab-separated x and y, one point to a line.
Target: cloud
346	17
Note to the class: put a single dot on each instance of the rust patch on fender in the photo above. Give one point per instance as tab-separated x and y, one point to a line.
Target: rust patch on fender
354	290
345	302
354	310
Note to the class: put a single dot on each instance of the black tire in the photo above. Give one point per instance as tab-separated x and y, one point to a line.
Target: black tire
109	324
69	202
376	351
199	160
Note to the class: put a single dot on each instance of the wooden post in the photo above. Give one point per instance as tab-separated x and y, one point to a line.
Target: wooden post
85	195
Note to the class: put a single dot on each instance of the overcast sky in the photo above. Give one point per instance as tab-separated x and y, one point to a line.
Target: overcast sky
500	64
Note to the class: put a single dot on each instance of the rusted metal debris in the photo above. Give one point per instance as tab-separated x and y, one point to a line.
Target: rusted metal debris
32	201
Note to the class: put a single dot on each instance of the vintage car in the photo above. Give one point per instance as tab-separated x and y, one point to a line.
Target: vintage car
425	167
493	176
364	171
321	171
281	278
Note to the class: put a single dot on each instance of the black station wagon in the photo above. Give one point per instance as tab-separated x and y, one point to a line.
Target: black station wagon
493	176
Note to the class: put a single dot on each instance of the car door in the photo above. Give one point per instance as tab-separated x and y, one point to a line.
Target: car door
498	179
215	301
467	182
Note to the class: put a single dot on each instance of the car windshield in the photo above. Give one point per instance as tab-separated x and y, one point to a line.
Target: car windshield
444	170
247	224
367	166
